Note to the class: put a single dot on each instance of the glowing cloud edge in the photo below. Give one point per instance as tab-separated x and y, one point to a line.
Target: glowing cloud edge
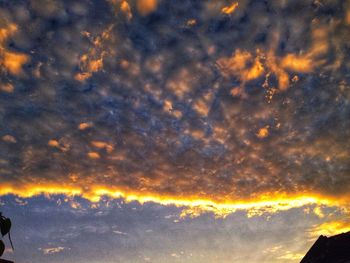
192	206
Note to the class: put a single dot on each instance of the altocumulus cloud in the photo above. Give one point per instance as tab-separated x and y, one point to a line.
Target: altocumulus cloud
208	102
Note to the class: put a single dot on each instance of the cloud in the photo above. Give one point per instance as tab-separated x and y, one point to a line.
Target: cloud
228	113
11	62
229	9
52	250
130	231
330	228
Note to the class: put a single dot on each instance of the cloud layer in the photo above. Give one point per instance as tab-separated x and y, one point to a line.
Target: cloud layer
207	100
51	230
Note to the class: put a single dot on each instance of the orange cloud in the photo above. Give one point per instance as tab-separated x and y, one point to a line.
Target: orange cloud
9	138
263	132
92	61
85	125
330	228
125	7
53	143
291	256
203	104
11	62
102	145
145	7
94	155
229	9
192	206
347	18
14	62
8	87
168	107
247	66
241	64
61	144
6	32
297	63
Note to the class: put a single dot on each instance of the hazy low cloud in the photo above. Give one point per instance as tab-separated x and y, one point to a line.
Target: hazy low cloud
129	232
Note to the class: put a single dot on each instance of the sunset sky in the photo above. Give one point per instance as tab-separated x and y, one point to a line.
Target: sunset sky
192	131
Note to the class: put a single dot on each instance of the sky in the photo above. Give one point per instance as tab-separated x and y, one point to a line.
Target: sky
173	131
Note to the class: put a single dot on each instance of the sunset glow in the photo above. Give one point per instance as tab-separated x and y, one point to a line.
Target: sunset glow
157	131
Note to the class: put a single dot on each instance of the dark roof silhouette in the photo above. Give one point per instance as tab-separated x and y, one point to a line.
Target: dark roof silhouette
335	249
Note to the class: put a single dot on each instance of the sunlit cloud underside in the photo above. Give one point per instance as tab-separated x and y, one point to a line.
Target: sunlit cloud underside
214	106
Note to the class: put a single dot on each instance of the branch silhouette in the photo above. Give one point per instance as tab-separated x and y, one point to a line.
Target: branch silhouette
5	227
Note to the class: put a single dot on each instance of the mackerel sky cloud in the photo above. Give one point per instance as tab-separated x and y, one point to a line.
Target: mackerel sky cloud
210	106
